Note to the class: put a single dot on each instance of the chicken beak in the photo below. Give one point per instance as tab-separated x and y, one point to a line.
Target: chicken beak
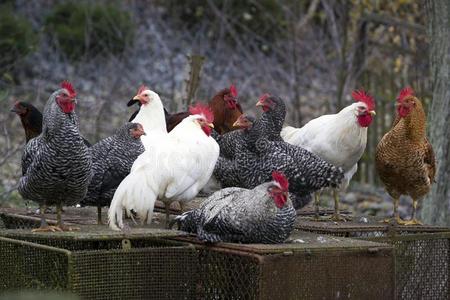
237	123
137	98
372	112
259	103
210	125
14	110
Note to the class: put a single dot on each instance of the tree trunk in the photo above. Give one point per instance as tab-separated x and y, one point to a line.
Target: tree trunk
436	207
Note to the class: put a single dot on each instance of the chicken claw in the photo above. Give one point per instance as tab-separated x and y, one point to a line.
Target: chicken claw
413	222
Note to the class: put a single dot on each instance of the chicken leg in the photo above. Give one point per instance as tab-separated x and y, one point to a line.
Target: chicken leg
317	217
337	215
167	209
59	221
44	225
99	216
396	220
414	220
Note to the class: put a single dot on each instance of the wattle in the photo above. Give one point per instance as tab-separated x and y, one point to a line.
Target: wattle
403	111
365	120
207	130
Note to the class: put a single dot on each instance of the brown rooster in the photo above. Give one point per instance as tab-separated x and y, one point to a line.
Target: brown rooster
404	158
225	108
224	105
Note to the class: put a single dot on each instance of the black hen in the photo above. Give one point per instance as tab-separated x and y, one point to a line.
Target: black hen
30	117
112	159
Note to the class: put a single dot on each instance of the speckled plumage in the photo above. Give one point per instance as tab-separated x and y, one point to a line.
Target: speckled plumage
404	158
264	151
112	159
56	165
240	215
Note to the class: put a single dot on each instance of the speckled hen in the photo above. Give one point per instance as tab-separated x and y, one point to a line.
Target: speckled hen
264	151
262	215
112	159
57	165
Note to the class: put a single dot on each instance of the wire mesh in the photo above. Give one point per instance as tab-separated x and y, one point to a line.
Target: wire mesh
102	268
321	268
422	253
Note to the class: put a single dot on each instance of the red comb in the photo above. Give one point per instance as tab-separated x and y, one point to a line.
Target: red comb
264	97
281	179
202	109
233	90
141	89
69	87
407	91
362	96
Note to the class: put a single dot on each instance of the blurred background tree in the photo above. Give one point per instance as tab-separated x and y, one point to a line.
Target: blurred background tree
311	52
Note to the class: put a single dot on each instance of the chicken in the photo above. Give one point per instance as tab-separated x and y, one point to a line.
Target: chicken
262	215
173	170
263	150
404	158
229	141
112	159
224	105
150	116
30	117
56	165
339	139
226	168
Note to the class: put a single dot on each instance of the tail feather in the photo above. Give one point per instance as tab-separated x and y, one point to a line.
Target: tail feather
133	195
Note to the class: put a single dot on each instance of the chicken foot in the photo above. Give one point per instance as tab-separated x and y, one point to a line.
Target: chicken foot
59	221
395	219
414	220
44	225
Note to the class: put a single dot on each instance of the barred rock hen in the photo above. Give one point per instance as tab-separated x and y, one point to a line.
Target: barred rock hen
264	151
404	158
228	142
261	215
112	159
226	168
175	169
56	165
339	139
224	105
30	117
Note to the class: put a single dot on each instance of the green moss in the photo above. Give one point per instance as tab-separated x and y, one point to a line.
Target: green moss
17	40
87	29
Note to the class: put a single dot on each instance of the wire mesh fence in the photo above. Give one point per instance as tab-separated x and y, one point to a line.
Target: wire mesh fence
97	267
422	253
310	267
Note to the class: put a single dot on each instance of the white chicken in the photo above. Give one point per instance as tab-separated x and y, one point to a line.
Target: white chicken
339	139
150	116
175	169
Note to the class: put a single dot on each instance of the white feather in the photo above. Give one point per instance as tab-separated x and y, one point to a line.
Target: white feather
336	138
175	169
